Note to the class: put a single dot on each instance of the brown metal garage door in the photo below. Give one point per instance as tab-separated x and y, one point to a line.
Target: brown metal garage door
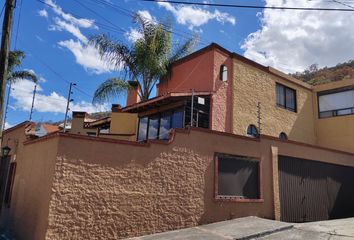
313	191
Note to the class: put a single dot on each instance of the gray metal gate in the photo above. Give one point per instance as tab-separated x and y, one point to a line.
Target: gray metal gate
313	191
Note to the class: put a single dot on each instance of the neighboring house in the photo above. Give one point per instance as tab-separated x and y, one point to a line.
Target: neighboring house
225	137
45	128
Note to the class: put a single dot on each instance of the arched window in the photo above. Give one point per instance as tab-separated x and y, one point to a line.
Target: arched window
283	136
223	73
252	131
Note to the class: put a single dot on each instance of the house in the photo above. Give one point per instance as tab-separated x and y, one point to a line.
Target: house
225	137
45	128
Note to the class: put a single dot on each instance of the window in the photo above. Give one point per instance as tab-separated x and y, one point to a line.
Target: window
286	97
283	136
158	126
237	177
9	184
252	131
177	119
153	127
336	103
223	73
142	134
165	125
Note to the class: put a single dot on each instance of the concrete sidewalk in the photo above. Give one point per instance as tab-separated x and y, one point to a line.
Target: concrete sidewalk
332	229
258	228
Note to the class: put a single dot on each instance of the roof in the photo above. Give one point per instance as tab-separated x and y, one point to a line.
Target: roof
50	128
26	124
160	100
239	57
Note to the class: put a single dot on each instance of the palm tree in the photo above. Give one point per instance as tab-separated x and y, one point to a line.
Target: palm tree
146	61
14	75
15	61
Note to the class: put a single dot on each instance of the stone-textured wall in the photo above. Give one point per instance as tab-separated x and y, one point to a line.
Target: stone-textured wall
251	86
99	201
108	191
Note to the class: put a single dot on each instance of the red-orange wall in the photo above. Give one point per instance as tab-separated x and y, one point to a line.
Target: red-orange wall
201	73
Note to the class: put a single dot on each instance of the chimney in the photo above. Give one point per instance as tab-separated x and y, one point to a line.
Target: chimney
116	108
77	123
133	96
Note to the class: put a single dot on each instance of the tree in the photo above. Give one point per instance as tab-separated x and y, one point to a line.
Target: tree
146	61
13	74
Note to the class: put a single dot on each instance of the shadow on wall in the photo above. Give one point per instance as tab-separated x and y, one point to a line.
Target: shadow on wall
303	128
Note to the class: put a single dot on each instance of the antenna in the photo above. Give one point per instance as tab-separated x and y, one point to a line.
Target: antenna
34	96
68	103
259	117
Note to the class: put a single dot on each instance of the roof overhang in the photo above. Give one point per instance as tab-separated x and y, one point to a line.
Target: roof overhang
167	99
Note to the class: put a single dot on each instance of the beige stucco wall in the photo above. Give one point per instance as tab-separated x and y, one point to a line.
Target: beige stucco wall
123	123
334	132
79	187
28	212
252	85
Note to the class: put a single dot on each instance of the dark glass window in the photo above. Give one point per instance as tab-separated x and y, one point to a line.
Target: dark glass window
252	131
153	127
165	125
177	119
237	177
283	136
223	73
142	134
286	97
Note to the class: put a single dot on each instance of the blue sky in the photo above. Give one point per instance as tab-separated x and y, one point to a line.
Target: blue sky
54	40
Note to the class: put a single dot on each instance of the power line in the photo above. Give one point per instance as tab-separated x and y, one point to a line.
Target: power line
250	6
2	10
342	3
18	23
129	13
104	26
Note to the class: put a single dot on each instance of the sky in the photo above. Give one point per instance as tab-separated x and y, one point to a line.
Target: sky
54	35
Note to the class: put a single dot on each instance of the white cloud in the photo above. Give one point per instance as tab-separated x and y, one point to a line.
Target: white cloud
43	13
195	16
71	28
80	22
8	125
39	38
133	35
292	40
87	56
53	103
146	15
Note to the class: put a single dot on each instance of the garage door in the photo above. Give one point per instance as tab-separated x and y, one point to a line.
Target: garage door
313	191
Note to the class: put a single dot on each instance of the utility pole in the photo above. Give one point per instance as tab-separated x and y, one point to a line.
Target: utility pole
67	104
34	96
4	54
7	104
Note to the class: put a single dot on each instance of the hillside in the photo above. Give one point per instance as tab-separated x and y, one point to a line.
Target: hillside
315	76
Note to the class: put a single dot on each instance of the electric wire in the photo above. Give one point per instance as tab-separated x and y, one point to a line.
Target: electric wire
18	24
250	6
2	10
130	14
